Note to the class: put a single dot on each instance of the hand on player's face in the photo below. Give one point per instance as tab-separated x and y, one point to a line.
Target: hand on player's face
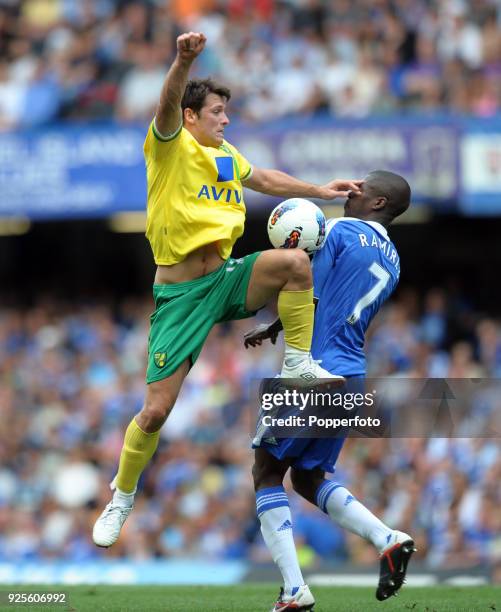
340	188
190	45
356	202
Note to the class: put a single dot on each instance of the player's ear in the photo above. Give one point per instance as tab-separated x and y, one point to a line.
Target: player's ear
189	116
379	203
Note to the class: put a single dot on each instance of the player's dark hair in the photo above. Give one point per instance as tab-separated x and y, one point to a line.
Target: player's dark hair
198	89
394	188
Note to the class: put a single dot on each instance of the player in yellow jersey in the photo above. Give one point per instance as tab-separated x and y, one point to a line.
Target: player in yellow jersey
196	212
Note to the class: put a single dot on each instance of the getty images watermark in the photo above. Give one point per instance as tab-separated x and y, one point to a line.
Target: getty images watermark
379	407
296	400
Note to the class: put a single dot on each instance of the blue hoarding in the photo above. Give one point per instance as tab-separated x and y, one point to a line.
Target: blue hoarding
480	180
424	151
119	571
72	172
96	170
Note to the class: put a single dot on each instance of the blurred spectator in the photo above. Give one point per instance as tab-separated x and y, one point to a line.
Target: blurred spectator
12	97
141	86
102	58
72	376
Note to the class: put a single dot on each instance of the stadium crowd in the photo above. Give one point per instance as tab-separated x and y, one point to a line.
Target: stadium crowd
71	377
103	59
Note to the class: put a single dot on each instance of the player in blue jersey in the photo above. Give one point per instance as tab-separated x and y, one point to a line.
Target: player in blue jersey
356	270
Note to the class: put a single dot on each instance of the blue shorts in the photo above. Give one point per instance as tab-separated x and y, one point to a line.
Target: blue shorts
308	453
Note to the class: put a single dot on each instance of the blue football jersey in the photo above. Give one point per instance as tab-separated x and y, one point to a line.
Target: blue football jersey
354	272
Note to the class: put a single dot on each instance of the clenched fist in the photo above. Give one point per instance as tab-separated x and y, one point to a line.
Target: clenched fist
190	45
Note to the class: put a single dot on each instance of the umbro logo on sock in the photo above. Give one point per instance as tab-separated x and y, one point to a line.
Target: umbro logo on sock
285	526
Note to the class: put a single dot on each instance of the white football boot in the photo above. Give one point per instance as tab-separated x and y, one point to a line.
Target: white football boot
301	600
108	525
308	372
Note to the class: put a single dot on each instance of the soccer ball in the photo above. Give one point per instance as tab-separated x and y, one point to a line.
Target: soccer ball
297	224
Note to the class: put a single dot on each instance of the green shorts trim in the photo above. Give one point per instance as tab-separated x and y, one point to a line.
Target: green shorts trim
186	312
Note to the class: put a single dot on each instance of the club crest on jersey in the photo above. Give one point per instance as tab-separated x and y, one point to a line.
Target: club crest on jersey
160	359
225	169
292	239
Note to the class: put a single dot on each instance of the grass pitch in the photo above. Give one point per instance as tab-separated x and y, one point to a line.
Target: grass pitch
255	598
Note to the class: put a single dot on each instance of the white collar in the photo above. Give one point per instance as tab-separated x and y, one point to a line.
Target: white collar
374	224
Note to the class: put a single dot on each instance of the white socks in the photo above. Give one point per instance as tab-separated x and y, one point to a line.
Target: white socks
293	356
276	526
336	501
124	500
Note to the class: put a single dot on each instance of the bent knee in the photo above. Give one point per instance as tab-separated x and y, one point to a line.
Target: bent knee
156	409
295	260
293	265
151	418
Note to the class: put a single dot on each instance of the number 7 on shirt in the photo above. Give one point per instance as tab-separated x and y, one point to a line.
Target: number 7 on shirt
382	280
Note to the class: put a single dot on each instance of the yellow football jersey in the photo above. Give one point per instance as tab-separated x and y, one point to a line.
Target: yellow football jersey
195	195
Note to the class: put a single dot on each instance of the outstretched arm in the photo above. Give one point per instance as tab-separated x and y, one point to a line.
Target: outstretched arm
277	183
169	115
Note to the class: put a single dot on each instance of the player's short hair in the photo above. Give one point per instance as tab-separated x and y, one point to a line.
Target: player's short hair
198	89
393	187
